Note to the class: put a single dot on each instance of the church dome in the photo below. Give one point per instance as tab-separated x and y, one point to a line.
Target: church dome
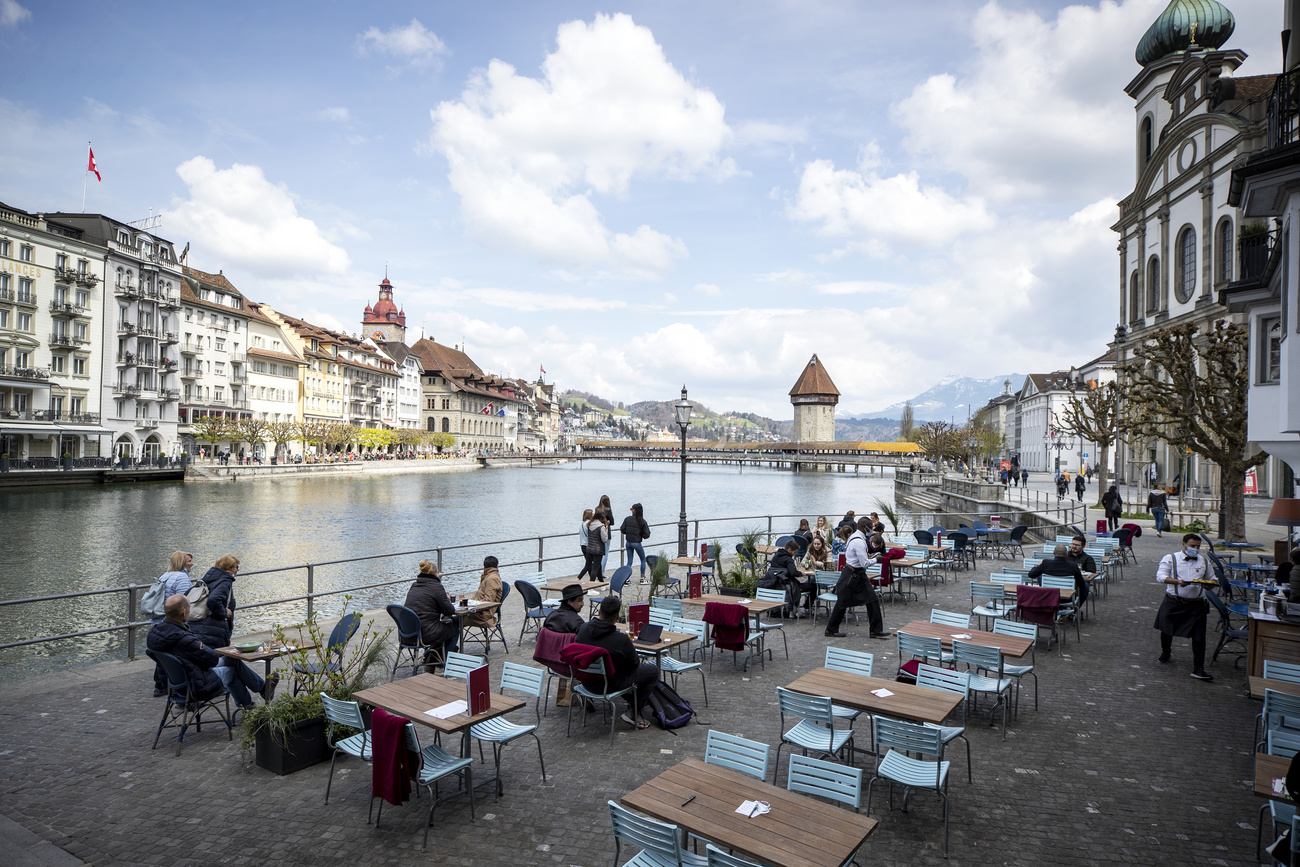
1209	21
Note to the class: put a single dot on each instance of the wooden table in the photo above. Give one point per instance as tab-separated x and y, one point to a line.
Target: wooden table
1270	638
800	831
756	607
1259	684
667	641
410	697
1268	768
1012	646
767	550
689	563
267	656
908	702
558	586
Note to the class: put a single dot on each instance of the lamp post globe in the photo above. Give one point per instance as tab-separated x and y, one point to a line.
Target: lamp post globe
682	411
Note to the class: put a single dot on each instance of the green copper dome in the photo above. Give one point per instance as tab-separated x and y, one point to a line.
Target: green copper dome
1173	30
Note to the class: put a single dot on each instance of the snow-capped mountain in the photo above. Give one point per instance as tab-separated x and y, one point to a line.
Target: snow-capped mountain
952	398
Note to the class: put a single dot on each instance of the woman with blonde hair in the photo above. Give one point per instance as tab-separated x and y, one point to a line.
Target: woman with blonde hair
215	629
176	580
824	530
439	623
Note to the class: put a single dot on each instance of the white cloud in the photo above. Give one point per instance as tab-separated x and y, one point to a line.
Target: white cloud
237	216
336	114
413	44
878	214
12	13
708	289
532	302
527	156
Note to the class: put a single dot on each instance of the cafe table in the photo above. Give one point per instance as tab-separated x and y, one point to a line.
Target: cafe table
998	538
1259	684
269	651
587	586
688	563
1012	646
798	831
1267	769
413	697
908	701
756	607
667	641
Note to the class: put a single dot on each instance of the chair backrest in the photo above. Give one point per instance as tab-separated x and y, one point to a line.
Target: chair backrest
1061	539
825	780
1283	742
739	754
662	617
781	540
957	541
344	713
619	578
1008	570
916	552
934	677
1060	582
769	595
673	605
977	655
686	626
935	530
1274	670
979	525
1096	552
1280	703
459	664
718	858
536	579
651	560
1209	543
923	537
1006	578
813	708
532	598
852	661
1032	561
990	590
525	679
949	618
658	838
826	578
343	632
1224	614
1002	626
408	625
912	646
906	737
1017	534
177	680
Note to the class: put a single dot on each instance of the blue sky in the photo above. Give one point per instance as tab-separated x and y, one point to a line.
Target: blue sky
634	196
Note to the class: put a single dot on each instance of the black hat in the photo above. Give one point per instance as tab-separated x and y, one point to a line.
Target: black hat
573	591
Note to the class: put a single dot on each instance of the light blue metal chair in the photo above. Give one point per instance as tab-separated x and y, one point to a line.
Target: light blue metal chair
1281	710
816	727
1284	744
606	698
332	662
1020	630
738	754
912	648
718	858
499	731
662	617
988	600
851	662
996	683
896	766
484	634
459	665
952	620
348	714
674	667
825	598
825	780
764	595
934	677
183	709
658	841
435	765
1274	670
410	642
672	605
1069	611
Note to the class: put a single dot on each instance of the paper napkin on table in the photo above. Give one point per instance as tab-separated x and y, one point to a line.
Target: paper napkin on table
448	710
753	809
881	693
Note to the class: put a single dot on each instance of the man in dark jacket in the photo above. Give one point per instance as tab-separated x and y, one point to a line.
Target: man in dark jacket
567	617
1060	566
1079	557
1079	486
783	574
439	623
208	672
602	631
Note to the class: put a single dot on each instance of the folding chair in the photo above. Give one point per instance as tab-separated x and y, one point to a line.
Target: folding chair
183	708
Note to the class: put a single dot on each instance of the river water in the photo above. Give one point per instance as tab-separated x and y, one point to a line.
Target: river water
70	539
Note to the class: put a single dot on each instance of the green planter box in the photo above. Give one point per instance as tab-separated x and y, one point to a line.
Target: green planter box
304	746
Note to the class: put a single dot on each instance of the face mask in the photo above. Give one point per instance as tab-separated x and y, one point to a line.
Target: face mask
1191	553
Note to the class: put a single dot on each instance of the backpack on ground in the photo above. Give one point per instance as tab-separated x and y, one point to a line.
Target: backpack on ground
152	603
198	597
668	709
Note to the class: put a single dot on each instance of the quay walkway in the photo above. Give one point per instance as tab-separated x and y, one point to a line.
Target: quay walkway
1126	761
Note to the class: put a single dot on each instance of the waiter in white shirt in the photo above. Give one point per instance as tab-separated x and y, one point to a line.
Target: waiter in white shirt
1183	612
854	587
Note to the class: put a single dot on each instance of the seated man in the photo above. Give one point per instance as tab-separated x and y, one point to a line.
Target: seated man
602	631
206	669
567	617
1076	555
1060	566
489	590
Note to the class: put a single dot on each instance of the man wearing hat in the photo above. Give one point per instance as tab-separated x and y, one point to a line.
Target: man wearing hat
568	616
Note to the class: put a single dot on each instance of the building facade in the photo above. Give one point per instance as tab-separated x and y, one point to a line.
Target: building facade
462	400
814	397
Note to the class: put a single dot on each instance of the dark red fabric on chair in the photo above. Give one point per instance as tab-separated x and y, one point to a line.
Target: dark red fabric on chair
393	766
548	648
730	624
579	656
1037	604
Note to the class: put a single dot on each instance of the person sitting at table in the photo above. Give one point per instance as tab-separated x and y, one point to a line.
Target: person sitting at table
439	623
567	616
489	590
1060	566
1079	557
783	573
206	669
876	526
1285	570
876	545
841	540
818	555
849	520
215	629
175	580
804	530
824	529
602	631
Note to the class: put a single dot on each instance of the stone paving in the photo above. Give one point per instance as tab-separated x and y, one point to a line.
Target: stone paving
1126	761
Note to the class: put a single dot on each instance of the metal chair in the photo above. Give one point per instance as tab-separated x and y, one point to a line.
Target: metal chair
348	714
435	764
500	732
1279	708
538	580
950	618
410	641
662	617
981	658
815	729
915	649
1286	745
934	677
739	754
923	537
616	584
988	600
535	610
963	552
1020	630
896	766
1068	611
483	634
826	780
674	667
339	637
825	581
1274	670
658	841
672	605
606	697
765	595
1227	632
183	705
919	572
459	665
852	662
1015	539
718	858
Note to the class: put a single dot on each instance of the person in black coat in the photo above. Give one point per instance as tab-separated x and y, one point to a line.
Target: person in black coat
439	623
1061	567
208	672
783	573
567	616
1114	506
602	631
635	530
849	520
1079	485
215	629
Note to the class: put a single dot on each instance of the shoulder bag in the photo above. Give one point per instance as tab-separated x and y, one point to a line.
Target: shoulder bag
198	597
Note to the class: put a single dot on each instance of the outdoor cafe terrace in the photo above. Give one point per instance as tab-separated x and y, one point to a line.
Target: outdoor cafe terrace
1123	761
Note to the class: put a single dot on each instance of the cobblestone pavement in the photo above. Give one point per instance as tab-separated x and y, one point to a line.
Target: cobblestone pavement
1126	761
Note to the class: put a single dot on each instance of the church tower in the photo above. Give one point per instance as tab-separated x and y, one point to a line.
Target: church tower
814	397
384	323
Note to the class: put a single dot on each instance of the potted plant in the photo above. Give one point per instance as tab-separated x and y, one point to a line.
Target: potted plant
659	573
742	576
290	733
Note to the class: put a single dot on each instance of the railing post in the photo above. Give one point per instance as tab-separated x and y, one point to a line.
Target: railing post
769	529
541	553
697	534
130	618
311	589
439	561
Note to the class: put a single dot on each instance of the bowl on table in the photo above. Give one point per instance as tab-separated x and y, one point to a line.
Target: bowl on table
248	647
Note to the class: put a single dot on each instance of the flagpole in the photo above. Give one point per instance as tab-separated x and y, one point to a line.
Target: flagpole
85	181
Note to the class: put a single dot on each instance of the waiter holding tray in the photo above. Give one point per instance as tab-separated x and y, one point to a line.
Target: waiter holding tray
1184	610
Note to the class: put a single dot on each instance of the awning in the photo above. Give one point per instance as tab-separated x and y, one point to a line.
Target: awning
48	428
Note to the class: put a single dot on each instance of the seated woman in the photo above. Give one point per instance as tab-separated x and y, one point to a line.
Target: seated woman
439	625
783	574
841	542
818	555
804	530
489	590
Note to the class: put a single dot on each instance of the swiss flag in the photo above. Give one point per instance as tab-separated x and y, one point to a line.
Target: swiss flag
90	165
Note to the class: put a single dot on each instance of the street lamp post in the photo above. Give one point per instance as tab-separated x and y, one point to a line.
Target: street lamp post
682	409
1121	334
1058	440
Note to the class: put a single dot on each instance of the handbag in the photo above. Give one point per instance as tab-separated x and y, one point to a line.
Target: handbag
152	603
198	597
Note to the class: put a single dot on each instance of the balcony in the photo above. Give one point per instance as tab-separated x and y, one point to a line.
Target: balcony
130	290
191	373
85	278
238	358
26	299
6	296
63	308
146	331
32	374
220	328
167	365
239	378
192	349
238	404
63	274
169	336
57	339
171	394
126	390
128	359
66	417
126	328
1253	252
146	423
172	301
218	401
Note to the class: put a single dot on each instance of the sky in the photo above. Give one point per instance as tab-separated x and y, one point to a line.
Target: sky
633	197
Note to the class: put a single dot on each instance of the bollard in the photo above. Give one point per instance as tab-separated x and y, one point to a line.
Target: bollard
130	618
311	589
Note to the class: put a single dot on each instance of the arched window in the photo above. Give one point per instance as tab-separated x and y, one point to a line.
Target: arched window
433	423
1153	284
1134	298
1186	276
1225	249
446	425
1147	142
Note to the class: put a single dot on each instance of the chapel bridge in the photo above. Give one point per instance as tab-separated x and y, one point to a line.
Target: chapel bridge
781	456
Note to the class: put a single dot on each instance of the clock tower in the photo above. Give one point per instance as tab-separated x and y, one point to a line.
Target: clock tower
384	322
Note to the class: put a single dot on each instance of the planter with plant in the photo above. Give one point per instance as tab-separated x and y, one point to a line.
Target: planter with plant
744	571
659	573
4	462
891	514
289	734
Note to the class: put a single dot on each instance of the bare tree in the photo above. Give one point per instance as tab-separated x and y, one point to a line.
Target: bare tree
939	440
1092	414
908	421
281	433
253	431
1190	390
210	429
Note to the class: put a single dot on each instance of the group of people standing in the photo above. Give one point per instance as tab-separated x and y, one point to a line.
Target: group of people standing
595	532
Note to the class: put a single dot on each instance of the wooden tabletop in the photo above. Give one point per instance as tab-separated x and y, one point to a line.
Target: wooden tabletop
903	563
1267	769
687	561
1259	684
410	697
474	605
766	549
587	586
800	831
1012	646
271	653
909	701
667	641
755	606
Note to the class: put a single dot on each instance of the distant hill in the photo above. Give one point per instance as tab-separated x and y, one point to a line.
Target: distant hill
704	421
953	398
861	429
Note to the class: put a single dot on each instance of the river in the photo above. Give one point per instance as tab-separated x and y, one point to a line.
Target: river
70	539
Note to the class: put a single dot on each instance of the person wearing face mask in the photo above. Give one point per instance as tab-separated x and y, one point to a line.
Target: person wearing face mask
1183	612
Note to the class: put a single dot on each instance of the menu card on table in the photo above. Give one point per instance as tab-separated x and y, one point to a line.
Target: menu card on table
638	612
695	585
478	690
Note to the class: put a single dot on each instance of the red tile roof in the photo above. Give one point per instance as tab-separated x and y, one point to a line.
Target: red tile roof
814	380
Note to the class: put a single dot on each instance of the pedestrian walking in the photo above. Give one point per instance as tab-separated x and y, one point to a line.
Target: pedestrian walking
635	530
1158	505
1114	506
1024	478
1184	610
1080	486
606	514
